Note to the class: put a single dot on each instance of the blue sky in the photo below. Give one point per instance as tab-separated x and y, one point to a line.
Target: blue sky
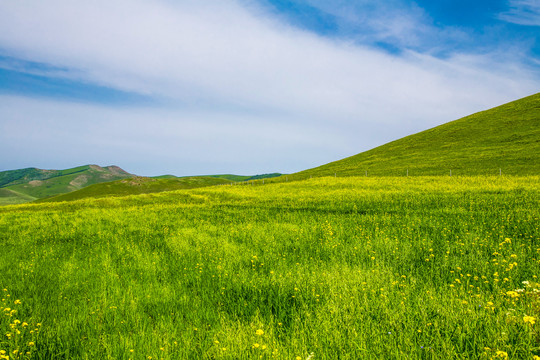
249	86
443	26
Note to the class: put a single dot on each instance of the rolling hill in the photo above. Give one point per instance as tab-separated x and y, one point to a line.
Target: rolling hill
24	185
505	138
146	185
137	185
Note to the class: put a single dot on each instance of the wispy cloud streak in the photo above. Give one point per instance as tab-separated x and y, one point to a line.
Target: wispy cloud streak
523	12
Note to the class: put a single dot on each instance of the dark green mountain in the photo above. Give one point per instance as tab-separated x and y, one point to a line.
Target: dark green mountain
23	185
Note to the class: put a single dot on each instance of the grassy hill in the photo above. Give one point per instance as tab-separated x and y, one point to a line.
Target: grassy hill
137	185
506	137
10	197
23	185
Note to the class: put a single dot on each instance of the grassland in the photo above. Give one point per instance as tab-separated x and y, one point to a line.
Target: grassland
505	138
11	197
341	268
136	186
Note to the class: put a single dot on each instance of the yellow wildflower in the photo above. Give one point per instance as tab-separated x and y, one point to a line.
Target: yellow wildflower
259	332
529	319
512	294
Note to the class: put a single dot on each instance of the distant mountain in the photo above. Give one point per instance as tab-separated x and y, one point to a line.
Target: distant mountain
505	138
23	185
31	184
245	177
137	185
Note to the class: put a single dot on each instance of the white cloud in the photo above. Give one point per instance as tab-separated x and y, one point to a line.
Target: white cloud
402	24
252	78
523	12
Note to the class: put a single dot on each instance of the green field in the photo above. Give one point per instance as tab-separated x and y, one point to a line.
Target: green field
136	186
332	268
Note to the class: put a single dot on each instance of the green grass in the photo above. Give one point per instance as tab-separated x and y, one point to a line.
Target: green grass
135	186
30	184
344	268
506	137
10	197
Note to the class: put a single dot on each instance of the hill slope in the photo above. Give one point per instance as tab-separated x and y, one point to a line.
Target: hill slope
137	185
23	185
506	137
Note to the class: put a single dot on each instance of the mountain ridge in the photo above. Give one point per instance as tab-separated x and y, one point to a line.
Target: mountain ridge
23	185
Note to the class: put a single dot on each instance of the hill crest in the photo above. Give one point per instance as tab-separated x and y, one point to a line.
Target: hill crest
503	139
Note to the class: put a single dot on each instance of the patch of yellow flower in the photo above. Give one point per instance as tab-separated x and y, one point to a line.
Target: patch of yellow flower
512	294
529	319
18	334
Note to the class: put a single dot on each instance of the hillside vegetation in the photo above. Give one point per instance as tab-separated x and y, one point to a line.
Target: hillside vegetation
137	185
23	185
506	138
327	268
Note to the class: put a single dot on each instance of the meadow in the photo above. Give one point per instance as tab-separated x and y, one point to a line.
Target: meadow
326	268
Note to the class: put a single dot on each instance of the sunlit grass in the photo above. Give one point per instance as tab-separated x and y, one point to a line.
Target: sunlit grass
382	268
